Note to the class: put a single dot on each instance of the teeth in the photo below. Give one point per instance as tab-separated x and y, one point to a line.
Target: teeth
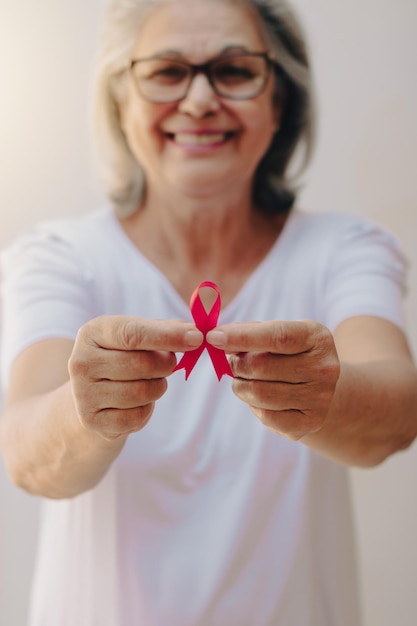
199	139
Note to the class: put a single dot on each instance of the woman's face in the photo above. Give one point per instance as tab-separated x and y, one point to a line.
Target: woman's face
202	144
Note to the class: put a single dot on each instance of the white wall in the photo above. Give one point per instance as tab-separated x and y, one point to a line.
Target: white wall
365	58
46	49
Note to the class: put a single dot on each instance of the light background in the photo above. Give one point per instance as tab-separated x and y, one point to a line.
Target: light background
365	60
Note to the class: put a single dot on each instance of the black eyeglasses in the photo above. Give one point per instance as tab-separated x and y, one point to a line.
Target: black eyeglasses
238	77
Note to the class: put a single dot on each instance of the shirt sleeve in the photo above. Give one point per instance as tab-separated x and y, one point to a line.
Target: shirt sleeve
366	275
45	293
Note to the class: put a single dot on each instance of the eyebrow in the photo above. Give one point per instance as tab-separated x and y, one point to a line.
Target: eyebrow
237	48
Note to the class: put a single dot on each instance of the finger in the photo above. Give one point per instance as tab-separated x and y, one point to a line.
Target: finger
274	396
126	395
278	337
114	423
291	423
284	409
122	365
139	365
277	404
135	333
271	367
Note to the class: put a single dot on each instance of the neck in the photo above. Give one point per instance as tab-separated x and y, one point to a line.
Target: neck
191	239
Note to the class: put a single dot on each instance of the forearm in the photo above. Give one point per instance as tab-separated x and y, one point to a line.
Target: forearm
48	452
59	438
373	413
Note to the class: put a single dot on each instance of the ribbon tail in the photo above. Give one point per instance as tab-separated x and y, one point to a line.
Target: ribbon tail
188	361
220	362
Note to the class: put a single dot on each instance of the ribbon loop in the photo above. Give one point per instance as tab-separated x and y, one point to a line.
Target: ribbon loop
204	322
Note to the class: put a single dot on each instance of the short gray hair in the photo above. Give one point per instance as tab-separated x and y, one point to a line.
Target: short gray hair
275	187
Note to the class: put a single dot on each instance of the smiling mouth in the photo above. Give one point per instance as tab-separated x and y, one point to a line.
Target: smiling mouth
200	139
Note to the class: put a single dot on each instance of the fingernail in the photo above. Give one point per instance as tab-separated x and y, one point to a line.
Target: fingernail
193	337
216	338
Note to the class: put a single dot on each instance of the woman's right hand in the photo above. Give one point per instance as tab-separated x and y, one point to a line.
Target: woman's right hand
118	370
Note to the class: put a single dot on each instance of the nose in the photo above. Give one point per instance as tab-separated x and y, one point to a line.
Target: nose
200	99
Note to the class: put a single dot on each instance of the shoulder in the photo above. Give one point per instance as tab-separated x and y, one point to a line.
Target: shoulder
358	265
331	233
71	229
61	240
326	222
74	230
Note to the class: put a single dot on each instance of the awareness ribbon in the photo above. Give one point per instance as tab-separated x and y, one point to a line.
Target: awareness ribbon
205	322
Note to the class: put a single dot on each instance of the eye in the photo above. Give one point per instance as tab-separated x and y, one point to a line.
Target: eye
164	72
233	72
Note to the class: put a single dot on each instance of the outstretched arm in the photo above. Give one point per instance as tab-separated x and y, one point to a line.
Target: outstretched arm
352	395
70	407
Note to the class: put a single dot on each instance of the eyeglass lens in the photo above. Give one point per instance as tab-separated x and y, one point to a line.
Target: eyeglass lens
166	80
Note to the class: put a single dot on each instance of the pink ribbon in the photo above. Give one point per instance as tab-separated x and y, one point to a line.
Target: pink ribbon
205	322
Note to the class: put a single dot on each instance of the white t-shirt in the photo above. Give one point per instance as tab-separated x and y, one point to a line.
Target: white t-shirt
206	518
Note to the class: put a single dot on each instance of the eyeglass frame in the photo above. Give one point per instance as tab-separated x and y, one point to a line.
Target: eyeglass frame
204	68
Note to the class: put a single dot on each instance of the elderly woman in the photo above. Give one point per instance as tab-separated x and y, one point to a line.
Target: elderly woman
199	502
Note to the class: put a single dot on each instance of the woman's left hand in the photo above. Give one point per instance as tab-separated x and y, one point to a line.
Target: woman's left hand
285	371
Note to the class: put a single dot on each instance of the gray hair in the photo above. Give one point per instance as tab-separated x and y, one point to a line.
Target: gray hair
275	187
